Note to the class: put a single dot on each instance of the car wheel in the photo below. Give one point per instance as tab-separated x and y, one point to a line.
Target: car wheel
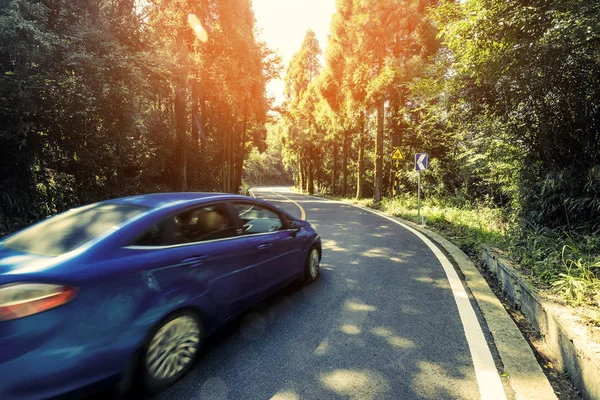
311	270
171	351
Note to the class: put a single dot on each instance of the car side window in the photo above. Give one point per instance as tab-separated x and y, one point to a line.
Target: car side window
257	219
196	225
157	235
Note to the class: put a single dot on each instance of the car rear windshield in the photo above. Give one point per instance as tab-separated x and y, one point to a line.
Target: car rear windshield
67	231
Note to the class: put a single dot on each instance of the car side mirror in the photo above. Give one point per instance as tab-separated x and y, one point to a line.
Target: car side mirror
295	227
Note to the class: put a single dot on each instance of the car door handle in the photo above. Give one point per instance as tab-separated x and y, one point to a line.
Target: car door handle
265	246
193	260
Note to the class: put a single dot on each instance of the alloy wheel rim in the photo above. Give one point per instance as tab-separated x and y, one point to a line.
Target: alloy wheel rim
314	263
173	347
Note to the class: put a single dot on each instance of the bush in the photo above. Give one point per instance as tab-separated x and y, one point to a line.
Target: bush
469	225
564	263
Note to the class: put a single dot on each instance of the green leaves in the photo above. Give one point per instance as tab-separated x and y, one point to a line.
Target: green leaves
87	95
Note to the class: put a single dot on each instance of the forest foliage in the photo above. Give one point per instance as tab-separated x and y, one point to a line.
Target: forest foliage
114	97
504	96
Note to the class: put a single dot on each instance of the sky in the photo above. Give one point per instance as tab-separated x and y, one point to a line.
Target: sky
284	24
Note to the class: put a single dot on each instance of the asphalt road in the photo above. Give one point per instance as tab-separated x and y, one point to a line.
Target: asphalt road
382	322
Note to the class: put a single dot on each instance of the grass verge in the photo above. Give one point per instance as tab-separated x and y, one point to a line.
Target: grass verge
469	226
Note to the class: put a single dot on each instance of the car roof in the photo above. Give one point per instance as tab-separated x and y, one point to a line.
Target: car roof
159	200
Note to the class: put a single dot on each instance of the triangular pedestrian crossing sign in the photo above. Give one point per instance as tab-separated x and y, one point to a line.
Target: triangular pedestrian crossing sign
397	155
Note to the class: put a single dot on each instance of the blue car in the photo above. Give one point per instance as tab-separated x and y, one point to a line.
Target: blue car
129	287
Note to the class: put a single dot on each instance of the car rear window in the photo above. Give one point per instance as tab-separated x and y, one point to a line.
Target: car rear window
67	231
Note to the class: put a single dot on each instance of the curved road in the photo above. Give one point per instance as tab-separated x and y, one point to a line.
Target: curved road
382	322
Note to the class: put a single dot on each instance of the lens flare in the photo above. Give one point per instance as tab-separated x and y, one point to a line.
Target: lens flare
195	24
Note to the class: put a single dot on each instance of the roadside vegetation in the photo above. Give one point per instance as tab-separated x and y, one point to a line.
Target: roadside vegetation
106	98
264	165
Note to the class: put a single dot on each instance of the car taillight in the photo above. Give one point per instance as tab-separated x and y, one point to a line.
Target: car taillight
23	299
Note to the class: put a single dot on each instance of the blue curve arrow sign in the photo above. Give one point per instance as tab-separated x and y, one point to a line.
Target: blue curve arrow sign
421	161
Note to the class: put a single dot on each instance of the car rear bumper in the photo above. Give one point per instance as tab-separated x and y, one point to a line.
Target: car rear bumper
41	358
51	371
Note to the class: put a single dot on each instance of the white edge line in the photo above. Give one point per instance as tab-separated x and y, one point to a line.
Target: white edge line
488	379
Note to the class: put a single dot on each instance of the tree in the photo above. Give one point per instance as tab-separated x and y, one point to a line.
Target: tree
99	99
301	96
532	70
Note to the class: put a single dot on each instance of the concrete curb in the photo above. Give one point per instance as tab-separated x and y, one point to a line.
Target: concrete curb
568	347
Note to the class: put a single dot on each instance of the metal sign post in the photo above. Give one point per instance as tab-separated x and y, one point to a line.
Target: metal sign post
421	161
419	197
396	157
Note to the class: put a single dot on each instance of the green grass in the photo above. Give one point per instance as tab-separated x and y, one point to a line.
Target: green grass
468	226
563	263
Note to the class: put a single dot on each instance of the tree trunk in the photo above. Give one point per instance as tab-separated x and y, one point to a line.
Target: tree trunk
379	153
302	174
334	168
180	155
319	177
222	135
194	113
242	153
360	184
230	133
202	100
346	150
179	109
311	181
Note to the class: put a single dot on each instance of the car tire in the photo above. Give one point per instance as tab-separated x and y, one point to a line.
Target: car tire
171	350
312	265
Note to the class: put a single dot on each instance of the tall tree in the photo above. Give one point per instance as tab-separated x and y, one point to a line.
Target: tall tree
532	72
301	96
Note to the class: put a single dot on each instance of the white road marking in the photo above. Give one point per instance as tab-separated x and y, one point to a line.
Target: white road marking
488	379
302	212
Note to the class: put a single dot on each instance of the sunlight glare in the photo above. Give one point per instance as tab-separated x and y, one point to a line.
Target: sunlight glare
199	30
287	395
356	306
352	384
350	329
